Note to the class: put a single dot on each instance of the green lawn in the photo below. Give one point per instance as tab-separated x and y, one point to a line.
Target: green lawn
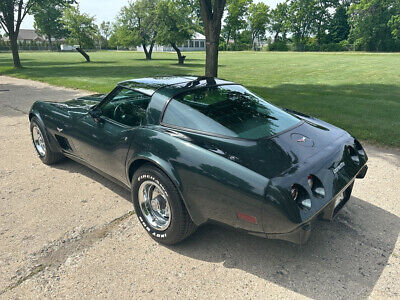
359	92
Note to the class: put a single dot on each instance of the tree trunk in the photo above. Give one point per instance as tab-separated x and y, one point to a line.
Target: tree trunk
148	52
145	51
50	43
211	14
212	57
276	36
228	37
14	50
253	37
151	49
181	58
81	51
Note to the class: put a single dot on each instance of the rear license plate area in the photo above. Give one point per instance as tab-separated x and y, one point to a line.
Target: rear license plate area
342	198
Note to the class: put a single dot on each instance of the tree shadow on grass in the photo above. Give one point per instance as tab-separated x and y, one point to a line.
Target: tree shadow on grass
190	65
344	258
188	58
33	63
94	70
8	61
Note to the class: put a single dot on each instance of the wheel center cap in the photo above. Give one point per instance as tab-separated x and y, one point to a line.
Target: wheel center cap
155	204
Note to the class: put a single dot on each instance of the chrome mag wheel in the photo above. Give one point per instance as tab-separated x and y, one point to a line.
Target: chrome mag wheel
154	205
38	140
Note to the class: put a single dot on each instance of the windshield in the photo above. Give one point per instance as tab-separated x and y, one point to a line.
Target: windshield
229	110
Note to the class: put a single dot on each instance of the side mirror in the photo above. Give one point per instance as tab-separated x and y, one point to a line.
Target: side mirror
95	114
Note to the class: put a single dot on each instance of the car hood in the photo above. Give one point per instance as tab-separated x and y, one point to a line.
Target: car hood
282	153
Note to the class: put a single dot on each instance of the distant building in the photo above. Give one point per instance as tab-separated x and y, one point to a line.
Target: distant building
27	35
196	43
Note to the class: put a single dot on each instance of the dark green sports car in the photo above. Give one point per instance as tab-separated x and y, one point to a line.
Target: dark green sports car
194	150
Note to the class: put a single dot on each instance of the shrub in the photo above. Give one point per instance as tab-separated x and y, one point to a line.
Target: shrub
360	44
278	46
332	47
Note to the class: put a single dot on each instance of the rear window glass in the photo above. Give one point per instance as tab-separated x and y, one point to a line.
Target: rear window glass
229	110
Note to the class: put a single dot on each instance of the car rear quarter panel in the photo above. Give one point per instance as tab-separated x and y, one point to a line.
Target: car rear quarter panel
212	187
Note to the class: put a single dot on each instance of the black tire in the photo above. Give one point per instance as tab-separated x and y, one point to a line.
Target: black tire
49	157
180	225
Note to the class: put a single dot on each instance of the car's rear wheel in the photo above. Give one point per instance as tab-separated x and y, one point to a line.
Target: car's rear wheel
42	145
159	206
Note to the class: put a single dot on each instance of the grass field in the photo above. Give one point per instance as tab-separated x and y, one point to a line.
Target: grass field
359	92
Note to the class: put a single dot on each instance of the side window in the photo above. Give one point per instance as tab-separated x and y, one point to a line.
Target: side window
190	110
127	107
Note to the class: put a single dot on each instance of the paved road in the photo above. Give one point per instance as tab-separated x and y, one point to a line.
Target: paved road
67	232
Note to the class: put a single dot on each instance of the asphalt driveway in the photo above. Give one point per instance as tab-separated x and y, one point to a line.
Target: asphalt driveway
67	232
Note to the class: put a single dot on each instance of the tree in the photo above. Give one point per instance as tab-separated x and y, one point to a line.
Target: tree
303	21
279	21
258	19
136	25
211	14
235	20
12	13
370	24
48	16
323	18
394	24
339	27
106	30
175	24
81	29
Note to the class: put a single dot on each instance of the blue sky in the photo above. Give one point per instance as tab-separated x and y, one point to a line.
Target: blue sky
106	10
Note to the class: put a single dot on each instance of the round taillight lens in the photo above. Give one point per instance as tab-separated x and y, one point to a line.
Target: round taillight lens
300	196
353	154
359	148
316	186
306	203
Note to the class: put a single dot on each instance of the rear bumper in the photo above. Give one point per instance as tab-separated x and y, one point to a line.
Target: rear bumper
302	233
298	236
361	174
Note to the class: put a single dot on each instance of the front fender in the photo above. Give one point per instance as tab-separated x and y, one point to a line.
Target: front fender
38	110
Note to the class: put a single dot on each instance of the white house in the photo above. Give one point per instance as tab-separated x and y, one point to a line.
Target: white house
196	43
65	47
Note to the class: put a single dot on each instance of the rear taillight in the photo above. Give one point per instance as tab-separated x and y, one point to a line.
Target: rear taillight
306	203
316	186
359	148
353	154
300	195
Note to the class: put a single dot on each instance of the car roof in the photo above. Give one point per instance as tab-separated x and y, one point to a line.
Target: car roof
162	89
148	85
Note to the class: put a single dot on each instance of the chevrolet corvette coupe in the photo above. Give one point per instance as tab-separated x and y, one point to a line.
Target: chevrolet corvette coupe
195	149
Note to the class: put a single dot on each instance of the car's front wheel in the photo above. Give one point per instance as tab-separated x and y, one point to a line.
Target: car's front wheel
42	145
159	207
